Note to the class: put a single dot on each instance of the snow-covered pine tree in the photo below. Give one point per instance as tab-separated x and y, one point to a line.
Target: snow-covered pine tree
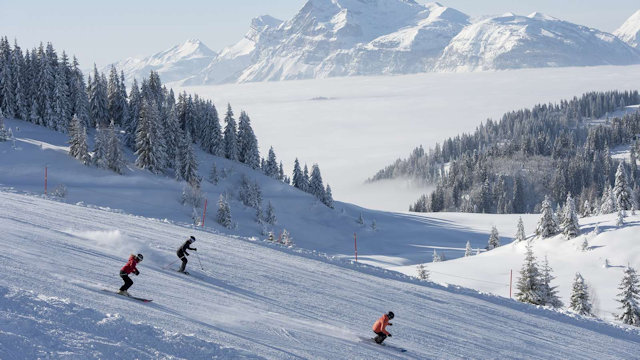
271	165
520	234
287	240
360	219
115	156
494	239
436	257
101	148
280	172
116	103
224	212
305	175
212	141
579	299
135	105
623	193
98	106
423	273
629	297
620	217
608	201
316	188
586	209
270	215
4	134
328	197
298	177
192	195
213	174
529	288
468	251
547	224
585	244
230	136
248	152
189	162
374	225
61	105
549	293
570	226
146	139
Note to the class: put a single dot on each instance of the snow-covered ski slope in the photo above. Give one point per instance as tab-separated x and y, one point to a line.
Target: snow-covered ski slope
252	300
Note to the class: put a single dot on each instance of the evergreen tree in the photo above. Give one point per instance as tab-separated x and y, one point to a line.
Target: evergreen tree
305	177
101	148
187	164
436	257
270	216
374	225
115	157
519	205
585	245
135	105
628	297
549	293
608	201
316	188
287	240
78	141
360	219
328	197
213	174
579	299
520	234
4	135
546	225
146	139
494	239
98	106
620	217
224	212
570	226
623	194
468	251
271	165
529	287
212	141
298	177
116	102
230	136
247	143
423	273
61	105
586	208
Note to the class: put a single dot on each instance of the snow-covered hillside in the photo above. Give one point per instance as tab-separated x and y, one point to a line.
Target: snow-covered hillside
177	63
537	40
247	300
629	32
332	38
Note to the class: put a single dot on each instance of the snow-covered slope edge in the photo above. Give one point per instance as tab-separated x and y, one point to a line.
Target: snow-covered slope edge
248	301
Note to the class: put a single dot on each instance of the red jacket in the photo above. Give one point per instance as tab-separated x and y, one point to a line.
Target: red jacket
381	324
130	267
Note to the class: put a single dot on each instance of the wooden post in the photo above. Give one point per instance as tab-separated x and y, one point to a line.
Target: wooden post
355	244
45	179
204	212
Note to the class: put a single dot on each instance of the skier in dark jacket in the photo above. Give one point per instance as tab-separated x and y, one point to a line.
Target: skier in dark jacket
182	252
130	267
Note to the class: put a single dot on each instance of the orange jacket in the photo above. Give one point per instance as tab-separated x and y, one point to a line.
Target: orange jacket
381	324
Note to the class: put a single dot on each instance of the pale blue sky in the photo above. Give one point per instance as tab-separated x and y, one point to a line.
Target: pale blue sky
104	32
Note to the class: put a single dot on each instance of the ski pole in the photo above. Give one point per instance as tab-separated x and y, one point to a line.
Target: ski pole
173	262
198	256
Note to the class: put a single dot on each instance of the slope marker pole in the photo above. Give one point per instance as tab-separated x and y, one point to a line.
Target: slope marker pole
510	282
204	212
355	244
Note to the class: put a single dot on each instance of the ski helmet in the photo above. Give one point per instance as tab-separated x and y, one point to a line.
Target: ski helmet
192	238
390	314
140	257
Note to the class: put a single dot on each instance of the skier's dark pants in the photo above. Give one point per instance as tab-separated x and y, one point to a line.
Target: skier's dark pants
184	260
127	281
380	338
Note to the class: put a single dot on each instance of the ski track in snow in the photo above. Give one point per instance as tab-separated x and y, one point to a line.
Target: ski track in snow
250	301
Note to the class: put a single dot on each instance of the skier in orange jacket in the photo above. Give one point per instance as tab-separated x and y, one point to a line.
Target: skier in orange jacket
380	325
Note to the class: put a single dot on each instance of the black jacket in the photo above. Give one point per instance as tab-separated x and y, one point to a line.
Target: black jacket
183	249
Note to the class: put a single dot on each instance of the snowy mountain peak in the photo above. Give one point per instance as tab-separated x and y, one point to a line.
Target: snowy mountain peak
629	32
538	40
263	21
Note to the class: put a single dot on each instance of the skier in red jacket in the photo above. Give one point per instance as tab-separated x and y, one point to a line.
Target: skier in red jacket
129	268
380	325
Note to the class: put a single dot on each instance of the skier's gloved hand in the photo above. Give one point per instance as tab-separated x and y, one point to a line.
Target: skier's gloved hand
137	272
389	335
390	324
195	249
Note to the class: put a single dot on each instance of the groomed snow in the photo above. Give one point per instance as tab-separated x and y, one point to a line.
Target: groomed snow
251	301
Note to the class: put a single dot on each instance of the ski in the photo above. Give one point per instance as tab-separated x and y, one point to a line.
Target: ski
128	297
390	347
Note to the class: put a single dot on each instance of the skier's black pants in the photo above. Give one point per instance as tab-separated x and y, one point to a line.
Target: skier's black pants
183	258
127	281
380	338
